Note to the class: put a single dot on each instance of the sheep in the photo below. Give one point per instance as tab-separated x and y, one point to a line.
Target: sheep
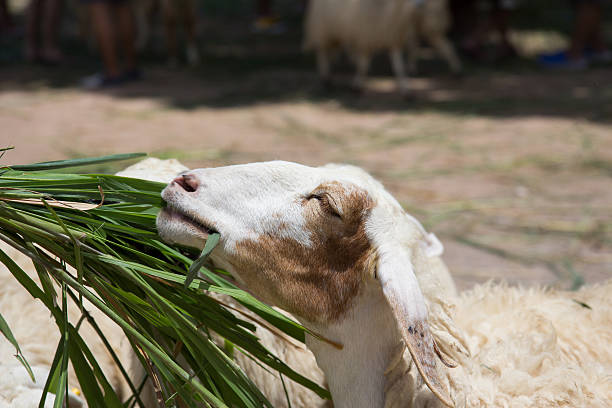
174	13
432	21
38	336
331	246
363	27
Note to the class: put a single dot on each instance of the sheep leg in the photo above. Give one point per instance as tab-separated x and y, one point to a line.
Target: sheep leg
323	66
169	11
142	25
363	64
189	17
445	48
412	46
397	62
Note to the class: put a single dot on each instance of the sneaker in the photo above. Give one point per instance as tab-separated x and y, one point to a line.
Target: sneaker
560	60
601	57
101	81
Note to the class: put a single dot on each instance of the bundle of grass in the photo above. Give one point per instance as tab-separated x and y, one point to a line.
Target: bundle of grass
93	242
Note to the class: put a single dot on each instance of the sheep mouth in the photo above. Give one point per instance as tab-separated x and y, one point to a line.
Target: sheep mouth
202	229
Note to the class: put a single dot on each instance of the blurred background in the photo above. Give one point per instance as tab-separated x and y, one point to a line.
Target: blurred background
508	161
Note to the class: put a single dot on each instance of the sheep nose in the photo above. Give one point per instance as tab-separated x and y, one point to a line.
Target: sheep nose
187	182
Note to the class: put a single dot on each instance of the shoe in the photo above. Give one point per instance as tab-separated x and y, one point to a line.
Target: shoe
560	60
601	57
101	81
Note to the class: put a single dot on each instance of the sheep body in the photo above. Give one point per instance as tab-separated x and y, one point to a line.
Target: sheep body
432	21
534	347
515	347
363	27
38	336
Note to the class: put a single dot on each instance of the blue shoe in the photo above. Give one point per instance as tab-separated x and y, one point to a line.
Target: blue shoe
560	60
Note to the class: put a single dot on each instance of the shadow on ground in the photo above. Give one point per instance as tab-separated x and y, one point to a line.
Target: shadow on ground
240	69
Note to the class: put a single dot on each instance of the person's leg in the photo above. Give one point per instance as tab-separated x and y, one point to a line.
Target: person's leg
170	17
587	26
6	22
103	29
190	23
31	29
264	8
50	51
125	20
502	11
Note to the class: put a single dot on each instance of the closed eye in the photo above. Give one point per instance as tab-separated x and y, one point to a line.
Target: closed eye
324	201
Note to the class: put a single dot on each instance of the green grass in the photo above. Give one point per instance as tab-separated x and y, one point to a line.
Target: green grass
122	267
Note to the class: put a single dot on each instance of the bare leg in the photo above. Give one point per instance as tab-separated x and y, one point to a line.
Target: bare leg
141	17
588	26
33	18
49	30
190	22
103	27
363	64
264	8
412	46
125	20
168	9
445	48
397	62
323	66
6	22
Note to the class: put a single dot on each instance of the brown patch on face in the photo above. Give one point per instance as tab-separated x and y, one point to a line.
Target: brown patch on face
316	282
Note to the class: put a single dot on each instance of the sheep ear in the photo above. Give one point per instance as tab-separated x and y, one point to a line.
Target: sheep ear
401	289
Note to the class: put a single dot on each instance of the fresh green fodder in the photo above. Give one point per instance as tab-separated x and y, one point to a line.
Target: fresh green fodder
93	236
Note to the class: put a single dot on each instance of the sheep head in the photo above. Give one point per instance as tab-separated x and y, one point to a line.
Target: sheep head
309	240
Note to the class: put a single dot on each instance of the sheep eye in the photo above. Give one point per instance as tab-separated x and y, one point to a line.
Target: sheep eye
323	200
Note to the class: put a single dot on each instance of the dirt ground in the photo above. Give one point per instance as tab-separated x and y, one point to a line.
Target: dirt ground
510	167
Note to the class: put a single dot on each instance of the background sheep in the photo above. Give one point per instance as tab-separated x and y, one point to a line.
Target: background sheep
363	27
431	21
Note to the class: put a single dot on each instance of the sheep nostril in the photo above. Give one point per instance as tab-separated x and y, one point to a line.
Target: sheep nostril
187	182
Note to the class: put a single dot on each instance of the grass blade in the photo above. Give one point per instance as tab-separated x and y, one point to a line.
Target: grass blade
87	161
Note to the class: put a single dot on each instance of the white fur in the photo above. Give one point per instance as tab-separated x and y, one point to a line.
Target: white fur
515	347
363	27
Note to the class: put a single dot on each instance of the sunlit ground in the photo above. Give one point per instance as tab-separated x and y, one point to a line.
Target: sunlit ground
510	165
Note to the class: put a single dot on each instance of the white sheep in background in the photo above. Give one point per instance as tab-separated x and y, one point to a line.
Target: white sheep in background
363	27
431	21
332	246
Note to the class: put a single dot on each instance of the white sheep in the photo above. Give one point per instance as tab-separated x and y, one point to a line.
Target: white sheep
331	246
363	27
38	335
431	21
